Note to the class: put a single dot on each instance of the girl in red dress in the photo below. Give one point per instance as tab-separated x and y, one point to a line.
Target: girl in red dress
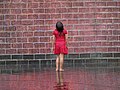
60	45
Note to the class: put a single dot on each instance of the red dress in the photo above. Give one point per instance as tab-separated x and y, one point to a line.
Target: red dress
60	42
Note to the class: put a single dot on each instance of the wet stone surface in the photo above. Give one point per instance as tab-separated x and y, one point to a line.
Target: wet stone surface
82	76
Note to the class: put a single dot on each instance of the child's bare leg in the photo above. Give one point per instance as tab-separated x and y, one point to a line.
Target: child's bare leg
57	63
61	62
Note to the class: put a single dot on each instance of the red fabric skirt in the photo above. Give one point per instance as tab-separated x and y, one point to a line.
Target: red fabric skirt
60	47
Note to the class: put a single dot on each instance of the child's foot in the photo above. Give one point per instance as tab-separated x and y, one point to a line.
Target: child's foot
56	69
61	70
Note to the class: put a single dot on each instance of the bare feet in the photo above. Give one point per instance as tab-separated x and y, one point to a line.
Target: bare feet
56	69
61	70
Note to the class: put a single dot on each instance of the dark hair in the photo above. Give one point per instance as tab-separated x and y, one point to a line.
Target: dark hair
59	27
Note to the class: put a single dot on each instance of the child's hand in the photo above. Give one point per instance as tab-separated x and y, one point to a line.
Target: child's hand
52	49
66	44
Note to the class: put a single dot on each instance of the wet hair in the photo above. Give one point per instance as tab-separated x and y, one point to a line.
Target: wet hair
59	27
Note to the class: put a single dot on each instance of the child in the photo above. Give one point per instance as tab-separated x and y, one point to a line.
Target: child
60	45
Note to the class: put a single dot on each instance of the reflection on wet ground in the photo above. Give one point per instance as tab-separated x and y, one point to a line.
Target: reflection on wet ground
44	77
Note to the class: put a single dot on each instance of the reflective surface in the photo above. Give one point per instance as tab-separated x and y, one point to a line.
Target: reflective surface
75	77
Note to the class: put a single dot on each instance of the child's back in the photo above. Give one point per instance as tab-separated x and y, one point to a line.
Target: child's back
60	42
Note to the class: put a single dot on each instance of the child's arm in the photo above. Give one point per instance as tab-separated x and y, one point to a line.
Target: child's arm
53	40
66	38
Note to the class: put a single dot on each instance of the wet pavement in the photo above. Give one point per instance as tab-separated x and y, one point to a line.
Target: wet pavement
44	77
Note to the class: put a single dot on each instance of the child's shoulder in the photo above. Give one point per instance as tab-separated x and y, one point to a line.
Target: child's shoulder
55	32
65	31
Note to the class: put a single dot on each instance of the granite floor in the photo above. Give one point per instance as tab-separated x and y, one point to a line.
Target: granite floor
44	77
